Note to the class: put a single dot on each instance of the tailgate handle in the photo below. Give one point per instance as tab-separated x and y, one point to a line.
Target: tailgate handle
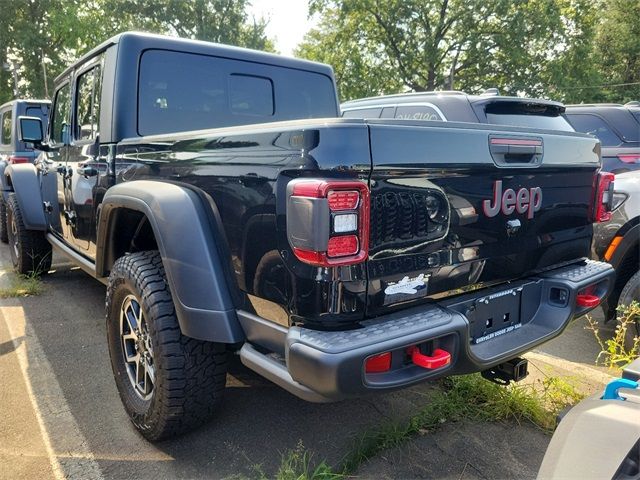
512	150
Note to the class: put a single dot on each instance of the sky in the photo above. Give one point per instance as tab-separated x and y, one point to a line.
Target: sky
287	21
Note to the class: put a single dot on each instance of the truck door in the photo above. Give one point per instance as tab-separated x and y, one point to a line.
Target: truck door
82	162
54	172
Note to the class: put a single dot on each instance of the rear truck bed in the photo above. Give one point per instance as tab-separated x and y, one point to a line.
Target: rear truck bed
462	247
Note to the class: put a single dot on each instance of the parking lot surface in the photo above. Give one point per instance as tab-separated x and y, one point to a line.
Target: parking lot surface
62	418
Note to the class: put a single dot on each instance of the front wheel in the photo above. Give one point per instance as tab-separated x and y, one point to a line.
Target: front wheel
30	251
168	383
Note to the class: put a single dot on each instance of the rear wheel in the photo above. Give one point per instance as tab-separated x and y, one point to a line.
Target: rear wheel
629	294
30	251
168	383
3	221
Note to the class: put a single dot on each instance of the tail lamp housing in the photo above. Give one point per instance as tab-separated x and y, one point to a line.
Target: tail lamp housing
603	197
14	159
328	221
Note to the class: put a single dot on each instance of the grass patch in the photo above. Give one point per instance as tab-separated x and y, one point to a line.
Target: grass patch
22	286
467	397
297	465
624	346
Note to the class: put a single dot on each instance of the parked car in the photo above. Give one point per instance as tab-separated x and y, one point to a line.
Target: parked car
337	256
618	128
12	150
600	436
618	242
453	106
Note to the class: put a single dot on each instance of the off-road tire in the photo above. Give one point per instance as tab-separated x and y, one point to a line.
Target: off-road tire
4	237
30	251
630	293
190	374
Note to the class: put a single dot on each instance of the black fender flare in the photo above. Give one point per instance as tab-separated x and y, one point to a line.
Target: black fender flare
26	185
191	259
4	180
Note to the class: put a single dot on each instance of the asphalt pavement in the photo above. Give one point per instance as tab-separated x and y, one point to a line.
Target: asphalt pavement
60	415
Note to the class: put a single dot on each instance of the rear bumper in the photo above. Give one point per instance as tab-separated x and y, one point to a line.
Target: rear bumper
328	366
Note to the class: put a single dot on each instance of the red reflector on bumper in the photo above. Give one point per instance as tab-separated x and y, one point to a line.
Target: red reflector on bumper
440	358
378	363
584	300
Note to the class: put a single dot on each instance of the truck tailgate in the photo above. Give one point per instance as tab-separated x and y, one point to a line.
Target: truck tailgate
460	206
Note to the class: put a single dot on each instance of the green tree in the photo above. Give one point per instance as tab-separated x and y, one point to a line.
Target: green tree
524	46
55	32
618	52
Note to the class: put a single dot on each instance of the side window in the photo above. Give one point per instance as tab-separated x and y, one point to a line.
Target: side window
6	128
419	112
362	113
60	117
388	112
595	125
87	112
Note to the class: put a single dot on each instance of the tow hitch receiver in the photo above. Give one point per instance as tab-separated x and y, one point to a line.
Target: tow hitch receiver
512	371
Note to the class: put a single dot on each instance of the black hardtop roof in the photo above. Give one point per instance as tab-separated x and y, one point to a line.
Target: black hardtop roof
25	100
143	41
426	96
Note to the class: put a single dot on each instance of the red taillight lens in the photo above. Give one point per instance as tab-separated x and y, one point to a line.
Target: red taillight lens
603	197
342	246
378	363
14	159
629	158
328	221
343	200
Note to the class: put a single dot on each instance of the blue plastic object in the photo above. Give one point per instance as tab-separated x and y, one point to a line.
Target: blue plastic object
611	390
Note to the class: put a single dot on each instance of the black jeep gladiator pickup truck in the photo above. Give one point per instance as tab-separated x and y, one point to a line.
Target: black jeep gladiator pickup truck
227	208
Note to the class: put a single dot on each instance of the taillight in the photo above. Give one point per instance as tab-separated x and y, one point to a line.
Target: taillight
13	159
603	197
328	221
629	158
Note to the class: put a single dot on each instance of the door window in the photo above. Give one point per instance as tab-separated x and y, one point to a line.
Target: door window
88	104
60	118
6	128
362	113
595	125
417	112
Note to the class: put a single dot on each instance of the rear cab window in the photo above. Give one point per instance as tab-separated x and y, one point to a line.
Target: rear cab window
527	114
595	125
180	91
5	125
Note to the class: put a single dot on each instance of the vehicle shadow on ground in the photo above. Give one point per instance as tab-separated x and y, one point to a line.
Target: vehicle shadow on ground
257	423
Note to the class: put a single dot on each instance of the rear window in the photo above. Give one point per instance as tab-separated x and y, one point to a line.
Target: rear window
6	128
636	114
182	91
41	112
595	125
527	114
362	113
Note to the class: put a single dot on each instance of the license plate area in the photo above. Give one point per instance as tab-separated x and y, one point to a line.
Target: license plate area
495	315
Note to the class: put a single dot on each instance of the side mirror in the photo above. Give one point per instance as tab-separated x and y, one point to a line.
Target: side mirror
31	130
